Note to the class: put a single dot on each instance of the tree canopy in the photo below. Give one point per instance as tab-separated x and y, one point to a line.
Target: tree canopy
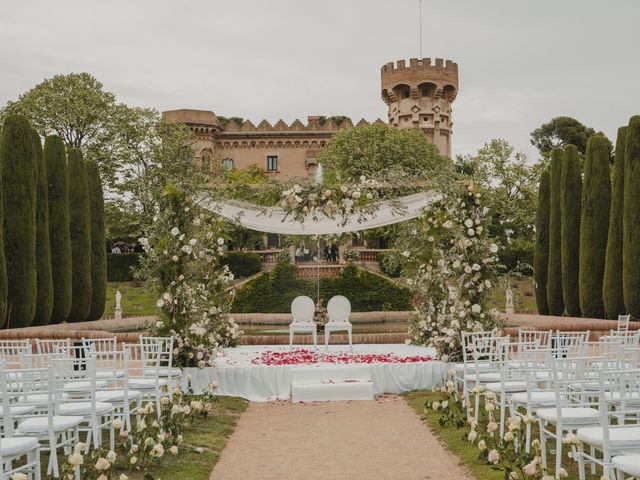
561	131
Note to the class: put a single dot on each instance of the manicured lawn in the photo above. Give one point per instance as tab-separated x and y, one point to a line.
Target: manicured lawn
452	438
137	299
524	297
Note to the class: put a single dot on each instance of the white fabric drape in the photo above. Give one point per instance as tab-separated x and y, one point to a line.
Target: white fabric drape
254	217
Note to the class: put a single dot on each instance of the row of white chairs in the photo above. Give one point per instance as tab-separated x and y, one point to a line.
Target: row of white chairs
50	398
570	385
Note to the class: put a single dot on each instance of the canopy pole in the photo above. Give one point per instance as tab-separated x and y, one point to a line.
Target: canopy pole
318	272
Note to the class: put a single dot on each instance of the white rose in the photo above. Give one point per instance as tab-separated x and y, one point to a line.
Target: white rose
175	231
468	223
406	253
220	241
493	248
476	308
173	450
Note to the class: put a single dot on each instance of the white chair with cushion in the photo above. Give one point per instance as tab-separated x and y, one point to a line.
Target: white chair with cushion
302	311
14	448
338	311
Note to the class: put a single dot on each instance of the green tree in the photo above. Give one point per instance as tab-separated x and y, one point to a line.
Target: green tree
59	222
612	291
594	225
80	232
541	253
631	219
44	278
561	131
554	275
378	150
570	199
19	169
98	244
5	139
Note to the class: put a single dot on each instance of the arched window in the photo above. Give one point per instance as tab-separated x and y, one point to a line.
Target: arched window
227	163
402	91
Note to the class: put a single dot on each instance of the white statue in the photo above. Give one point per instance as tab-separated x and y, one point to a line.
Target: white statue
118	310
509	304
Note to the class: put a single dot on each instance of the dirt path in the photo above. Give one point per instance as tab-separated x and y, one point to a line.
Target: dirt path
383	440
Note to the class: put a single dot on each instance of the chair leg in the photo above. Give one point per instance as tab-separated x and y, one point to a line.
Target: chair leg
349	333
543	445
581	469
326	338
503	407
593	464
290	340
558	452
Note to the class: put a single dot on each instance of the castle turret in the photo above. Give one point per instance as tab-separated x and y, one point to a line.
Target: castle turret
420	95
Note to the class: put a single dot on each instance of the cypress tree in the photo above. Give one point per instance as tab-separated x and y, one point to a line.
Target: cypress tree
19	178
594	225
55	158
554	275
541	253
98	246
80	231
631	219
570	199
4	140
612	285
44	279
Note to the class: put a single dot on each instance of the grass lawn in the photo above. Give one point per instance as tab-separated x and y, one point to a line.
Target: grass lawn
452	438
138	300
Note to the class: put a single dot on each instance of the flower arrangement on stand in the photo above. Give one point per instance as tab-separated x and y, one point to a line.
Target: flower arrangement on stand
184	251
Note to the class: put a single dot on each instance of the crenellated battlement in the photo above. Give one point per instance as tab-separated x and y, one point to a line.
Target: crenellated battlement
312	125
429	64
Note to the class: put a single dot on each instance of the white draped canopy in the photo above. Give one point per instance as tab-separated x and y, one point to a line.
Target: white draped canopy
255	217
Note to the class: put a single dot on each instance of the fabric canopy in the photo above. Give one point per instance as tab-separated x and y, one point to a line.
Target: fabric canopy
255	217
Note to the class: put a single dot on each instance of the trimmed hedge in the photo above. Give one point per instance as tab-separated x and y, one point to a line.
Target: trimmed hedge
44	276
120	266
594	225
390	271
273	292
98	251
554	273
242	264
570	206
612	284
541	254
631	219
19	170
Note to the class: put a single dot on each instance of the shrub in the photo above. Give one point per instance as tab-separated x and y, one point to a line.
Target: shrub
120	266
59	237
570	200
518	256
594	225
554	275
242	264
631	219
80	231
389	268
98	246
19	169
3	263
612	285
541	253
44	279
274	291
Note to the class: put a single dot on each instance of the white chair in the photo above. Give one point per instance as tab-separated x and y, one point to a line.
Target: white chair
338	311
164	348
302	311
623	323
627	465
468	366
48	345
14	448
143	370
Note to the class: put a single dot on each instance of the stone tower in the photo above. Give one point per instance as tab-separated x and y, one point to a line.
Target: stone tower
420	95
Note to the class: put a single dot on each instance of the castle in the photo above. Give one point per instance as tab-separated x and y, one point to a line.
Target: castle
419	94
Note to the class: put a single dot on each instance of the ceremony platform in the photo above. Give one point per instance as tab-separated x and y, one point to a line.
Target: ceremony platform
263	373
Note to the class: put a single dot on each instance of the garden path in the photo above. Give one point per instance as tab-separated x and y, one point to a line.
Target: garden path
382	439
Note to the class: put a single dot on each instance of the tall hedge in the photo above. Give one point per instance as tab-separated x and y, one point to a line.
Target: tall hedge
594	225
55	158
4	140
19	170
44	278
98	245
631	219
541	252
570	201
555	300
80	231
612	292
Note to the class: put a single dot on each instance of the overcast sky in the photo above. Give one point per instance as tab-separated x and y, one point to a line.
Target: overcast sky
521	62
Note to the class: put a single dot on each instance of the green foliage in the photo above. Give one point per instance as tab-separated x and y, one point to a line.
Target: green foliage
225	120
44	277
594	225
631	219
561	131
380	151
55	159
242	264
80	232
338	119
554	275
120	266
517	256
389	267
570	202
98	245
121	221
541	254
19	170
274	291
612	291
3	264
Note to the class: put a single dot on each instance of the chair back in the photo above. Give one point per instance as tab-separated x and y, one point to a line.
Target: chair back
629	338
339	309
302	309
623	323
48	345
12	351
542	337
472	340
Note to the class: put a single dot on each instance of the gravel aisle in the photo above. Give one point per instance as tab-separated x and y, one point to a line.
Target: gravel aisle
365	440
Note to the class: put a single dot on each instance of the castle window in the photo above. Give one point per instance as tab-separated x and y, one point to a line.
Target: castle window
272	163
227	163
206	163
